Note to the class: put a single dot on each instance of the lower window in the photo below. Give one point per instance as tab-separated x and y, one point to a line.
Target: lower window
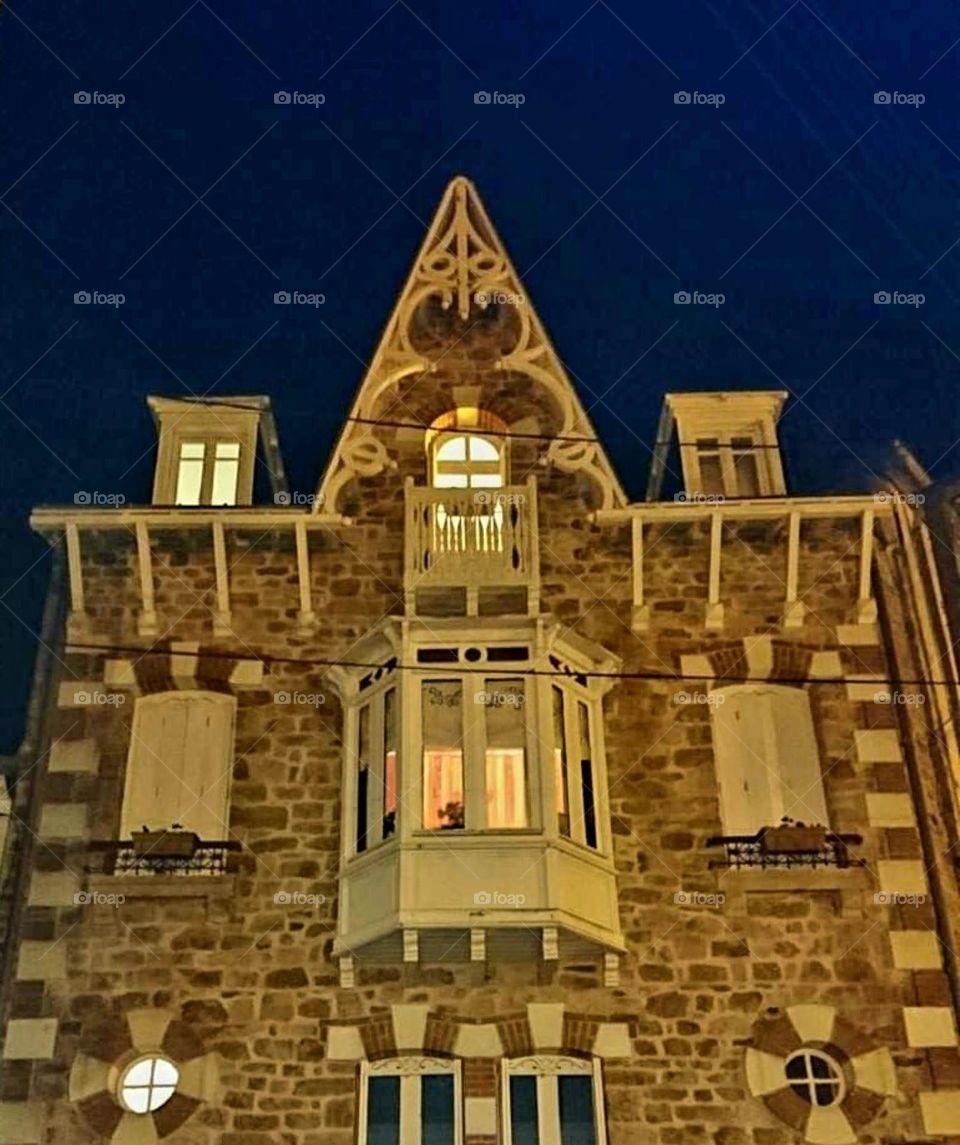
553	1101
410	1101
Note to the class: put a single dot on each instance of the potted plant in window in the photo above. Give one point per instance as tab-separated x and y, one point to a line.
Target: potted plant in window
165	843
791	837
451	816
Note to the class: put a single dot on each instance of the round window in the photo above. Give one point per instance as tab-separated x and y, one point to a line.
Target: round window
148	1084
815	1077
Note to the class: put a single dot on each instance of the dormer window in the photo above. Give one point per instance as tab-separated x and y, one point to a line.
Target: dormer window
207	451
728	444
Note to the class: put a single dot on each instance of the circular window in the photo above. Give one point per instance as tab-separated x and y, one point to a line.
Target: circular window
148	1084
815	1077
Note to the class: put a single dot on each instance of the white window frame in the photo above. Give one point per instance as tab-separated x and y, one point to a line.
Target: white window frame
375	699
721	445
207	789
211	446
572	698
769	767
410	1070
469	467
547	1069
473	744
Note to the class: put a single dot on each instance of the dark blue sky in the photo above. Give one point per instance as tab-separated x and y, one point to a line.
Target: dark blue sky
798	198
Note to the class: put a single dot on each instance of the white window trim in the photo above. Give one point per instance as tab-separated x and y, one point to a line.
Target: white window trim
572	697
374	698
181	422
468	467
547	1069
410	1070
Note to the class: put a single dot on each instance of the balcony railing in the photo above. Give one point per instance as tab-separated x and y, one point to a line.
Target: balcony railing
121	857
756	851
471	538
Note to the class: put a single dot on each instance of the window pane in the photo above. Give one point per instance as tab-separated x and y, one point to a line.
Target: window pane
748	480
524	1122
363	776
506	784
485	480
560	763
711	474
442	725
389	763
436	1109
383	1111
483	450
450	481
586	777
226	469
455	449
576	1111
190	473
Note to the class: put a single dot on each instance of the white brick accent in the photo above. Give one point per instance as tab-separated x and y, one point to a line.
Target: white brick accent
930	1026
546	1024
829	1127
147	1026
30	1039
42	960
21	1123
344	1044
478	1042
916	950
612	1041
867	692
63	821
480	1116
858	635
879	745
825	666
812	1023
941	1112
410	1026
885	809
74	755
902	876
53	888
696	666
119	674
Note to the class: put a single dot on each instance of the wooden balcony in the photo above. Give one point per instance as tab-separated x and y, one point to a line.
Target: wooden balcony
467	547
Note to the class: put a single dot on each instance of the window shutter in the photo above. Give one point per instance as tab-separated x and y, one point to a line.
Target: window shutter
179	764
766	757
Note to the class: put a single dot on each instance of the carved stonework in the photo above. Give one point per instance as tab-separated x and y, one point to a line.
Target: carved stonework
462	269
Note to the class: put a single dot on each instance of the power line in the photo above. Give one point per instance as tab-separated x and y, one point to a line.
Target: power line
490	670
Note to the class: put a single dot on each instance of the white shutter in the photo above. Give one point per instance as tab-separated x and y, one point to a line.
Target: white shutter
179	764
766	757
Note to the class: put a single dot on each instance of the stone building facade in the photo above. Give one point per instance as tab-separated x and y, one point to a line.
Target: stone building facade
463	800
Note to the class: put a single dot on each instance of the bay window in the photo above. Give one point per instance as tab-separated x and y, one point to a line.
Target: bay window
376	753
573	748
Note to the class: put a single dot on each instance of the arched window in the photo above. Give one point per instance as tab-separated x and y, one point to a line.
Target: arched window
466	451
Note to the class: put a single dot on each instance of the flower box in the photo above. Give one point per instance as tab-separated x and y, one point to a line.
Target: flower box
794	839
165	844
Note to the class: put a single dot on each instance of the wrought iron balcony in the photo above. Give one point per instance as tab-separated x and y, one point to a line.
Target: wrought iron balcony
780	847
163	856
473	540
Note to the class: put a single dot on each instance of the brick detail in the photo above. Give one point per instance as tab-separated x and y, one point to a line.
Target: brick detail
579	1034
515	1035
377	1037
944	1062
901	843
777	1036
790	661
729	661
790	1108
932	988
479	1077
889	777
861	1105
440	1035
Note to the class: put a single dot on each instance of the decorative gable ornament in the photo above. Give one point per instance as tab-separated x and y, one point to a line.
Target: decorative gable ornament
463	264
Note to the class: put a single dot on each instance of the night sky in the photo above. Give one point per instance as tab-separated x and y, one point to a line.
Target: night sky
781	184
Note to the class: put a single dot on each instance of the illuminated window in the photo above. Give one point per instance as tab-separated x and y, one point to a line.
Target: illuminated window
376	763
553	1101
208	473
506	780
443	794
467	461
148	1084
